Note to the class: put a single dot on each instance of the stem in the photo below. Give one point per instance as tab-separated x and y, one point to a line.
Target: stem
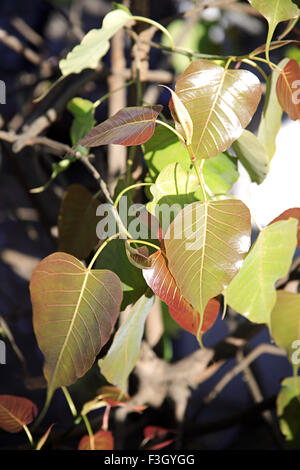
142	242
158	25
101	247
70	401
158	121
105	420
107	95
90	431
199	172
251	62
270	64
29	435
137	185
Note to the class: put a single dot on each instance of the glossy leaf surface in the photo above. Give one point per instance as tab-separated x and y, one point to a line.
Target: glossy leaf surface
74	312
294	213
252	292
121	358
15	412
162	283
220	102
102	440
181	116
205	246
77	222
253	156
129	126
288	89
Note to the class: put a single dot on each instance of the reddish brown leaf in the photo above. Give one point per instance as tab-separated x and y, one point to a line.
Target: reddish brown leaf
161	281
113	396
103	440
153	432
15	412
161	445
44	438
293	212
288	89
129	126
139	257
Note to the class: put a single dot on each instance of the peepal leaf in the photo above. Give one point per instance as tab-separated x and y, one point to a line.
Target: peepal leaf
123	354
161	281
77	222
294	212
15	412
94	45
205	246
253	156
288	89
221	103
74	312
285	324
181	116
288	411
252	292
101	440
129	126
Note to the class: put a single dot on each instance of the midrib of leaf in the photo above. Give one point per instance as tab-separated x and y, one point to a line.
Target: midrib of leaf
14	417
202	263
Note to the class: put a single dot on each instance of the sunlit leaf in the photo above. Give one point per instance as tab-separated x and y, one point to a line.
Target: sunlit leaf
74	312
77	222
129	126
221	103
288	89
271	115
181	116
15	412
123	354
293	212
288	410
285	325
205	246
252	292
94	45
252	154
102	440
162	283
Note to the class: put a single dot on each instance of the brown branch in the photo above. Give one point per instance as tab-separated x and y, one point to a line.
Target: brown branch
16	45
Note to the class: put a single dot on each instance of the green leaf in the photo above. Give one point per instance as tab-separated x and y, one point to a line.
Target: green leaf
292	212
57	168
271	115
220	173
285	325
221	103
125	349
114	257
275	11
77	222
252	292
205	246
74	313
253	156
83	122
15	412
293	53
288	410
95	44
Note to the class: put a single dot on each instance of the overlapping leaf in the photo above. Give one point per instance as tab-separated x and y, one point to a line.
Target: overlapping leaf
83	112
288	411
162	283
205	246
121	358
110	396
74	312
129	126
252	292
288	89
94	45
77	222
294	212
221	103
252	154
101	440
15	412
285	324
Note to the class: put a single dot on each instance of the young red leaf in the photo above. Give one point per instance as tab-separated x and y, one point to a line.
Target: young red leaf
15	412
153	432
129	126
288	89
139	257
181	116
161	281
44	438
113	396
161	445
293	212
102	440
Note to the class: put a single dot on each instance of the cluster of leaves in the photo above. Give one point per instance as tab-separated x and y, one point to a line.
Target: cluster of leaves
192	163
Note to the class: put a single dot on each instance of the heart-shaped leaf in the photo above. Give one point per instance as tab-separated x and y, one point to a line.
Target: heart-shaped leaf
161	281
77	222
285	325
15	412
121	358
129	126
295	214
74	312
252	154
102	440
205	247
288	411
252	292
94	45
288	89
221	103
